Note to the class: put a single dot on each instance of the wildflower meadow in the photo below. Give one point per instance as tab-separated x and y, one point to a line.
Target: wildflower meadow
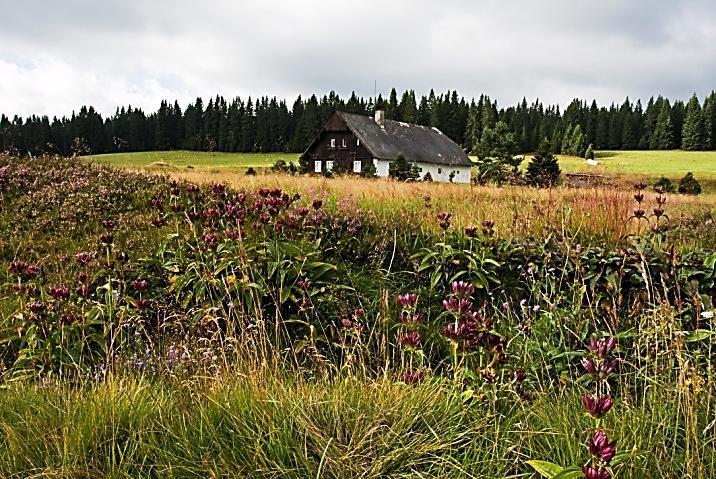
157	327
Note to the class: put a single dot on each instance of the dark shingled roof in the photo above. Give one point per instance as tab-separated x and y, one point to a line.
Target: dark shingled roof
419	144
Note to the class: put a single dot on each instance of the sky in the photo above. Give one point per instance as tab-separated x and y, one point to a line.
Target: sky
56	56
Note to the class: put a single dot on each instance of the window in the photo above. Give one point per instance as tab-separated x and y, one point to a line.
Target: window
356	166
333	142
329	165
440	171
344	143
357	142
317	166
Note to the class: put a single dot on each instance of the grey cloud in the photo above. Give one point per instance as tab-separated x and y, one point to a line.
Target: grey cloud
58	55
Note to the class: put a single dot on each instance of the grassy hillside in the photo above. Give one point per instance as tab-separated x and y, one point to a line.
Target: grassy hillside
194	159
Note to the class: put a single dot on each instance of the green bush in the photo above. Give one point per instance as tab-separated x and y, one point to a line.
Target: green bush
369	170
689	185
666	185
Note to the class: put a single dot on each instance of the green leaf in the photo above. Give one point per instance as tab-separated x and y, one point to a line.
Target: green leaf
546	469
570	473
699	335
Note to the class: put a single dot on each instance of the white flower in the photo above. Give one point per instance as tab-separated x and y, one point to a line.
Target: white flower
707	314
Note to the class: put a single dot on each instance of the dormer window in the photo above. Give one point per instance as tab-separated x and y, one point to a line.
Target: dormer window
333	142
344	143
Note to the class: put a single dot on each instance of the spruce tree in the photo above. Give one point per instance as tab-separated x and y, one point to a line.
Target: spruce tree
543	170
496	161
589	154
709	114
693	133
663	136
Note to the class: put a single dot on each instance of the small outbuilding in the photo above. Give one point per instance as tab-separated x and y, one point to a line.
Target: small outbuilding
350	142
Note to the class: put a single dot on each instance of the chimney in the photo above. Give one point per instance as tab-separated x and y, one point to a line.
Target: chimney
380	118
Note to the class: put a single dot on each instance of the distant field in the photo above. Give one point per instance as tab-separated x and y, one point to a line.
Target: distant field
672	164
648	165
192	159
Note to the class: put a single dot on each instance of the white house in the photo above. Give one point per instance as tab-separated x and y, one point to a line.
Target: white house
348	142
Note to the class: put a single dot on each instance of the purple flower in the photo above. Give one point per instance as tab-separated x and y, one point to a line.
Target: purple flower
462	288
597	406
106	238
410	318
140	285
602	347
457	305
408	300
600	447
58	291
83	258
410	340
37	307
591	472
471	231
444	219
412	377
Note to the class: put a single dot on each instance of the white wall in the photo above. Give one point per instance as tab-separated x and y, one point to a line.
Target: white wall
442	172
381	167
462	173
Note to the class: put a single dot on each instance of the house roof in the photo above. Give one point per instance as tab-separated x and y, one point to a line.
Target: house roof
419	144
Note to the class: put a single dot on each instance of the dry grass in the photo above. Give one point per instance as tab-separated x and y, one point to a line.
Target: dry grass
516	211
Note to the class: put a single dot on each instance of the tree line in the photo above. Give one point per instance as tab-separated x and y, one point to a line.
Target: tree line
269	125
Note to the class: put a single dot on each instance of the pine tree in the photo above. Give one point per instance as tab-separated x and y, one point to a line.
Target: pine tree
663	136
693	132
402	170
496	150
543	170
589	154
577	141
709	114
392	109
472	129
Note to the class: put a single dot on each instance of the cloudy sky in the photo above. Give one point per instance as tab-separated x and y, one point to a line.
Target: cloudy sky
56	56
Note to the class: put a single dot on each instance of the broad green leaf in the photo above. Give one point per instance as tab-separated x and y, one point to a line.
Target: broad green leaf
570	473
546	469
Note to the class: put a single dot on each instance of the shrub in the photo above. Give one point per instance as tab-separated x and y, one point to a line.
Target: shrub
689	185
250	171
281	166
402	170
428	177
666	185
369	170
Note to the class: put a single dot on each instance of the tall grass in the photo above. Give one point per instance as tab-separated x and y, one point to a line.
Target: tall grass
517	211
266	424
